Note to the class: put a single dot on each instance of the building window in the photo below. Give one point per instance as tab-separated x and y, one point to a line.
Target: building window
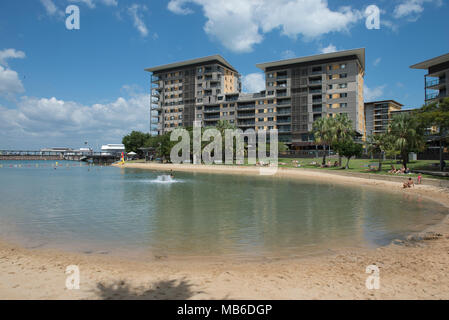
220	98
260	119
180	117
270	119
231	121
331	86
343	85
199	116
343	66
343	105
270	93
270	101
343	75
270	110
200	70
343	95
270	84
270	75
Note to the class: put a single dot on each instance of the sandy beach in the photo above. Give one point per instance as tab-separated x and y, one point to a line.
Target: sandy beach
416	268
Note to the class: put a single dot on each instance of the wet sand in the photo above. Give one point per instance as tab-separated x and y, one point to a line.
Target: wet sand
413	269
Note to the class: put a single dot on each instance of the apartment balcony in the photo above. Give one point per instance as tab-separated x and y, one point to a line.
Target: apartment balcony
247	107
284	112
281	94
211	117
285	138
282	129
311	82
434	96
287	120
245	115
212	110
317	108
284	102
282	77
246	124
314	91
435	82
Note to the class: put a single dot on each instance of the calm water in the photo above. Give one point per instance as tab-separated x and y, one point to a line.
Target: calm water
132	212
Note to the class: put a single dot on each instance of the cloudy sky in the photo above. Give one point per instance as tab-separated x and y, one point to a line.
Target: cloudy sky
61	87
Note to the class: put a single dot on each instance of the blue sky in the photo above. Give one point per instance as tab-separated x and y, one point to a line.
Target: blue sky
60	87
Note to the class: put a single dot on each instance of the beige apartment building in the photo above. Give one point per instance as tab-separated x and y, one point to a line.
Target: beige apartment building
436	85
298	92
378	115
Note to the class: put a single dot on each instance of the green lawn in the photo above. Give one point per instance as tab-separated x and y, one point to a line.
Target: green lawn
359	165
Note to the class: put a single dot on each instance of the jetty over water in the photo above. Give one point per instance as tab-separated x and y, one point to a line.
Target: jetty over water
60	154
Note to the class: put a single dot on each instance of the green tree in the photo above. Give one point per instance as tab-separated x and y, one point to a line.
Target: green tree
323	133
407	135
348	149
377	145
436	115
135	140
341	130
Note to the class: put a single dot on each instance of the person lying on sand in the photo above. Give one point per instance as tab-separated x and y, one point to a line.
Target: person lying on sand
409	183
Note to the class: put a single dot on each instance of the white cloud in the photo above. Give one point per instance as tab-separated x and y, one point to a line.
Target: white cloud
10	83
91	3
412	8
330	48
176	6
377	61
253	82
240	24
51	8
57	122
10	54
112	3
288	54
371	94
133	11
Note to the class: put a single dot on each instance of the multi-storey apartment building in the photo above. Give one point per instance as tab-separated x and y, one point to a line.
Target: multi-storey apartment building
298	92
308	88
378	115
436	85
180	90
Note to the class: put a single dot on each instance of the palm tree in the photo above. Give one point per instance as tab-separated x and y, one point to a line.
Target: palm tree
341	130
377	144
407	135
323	133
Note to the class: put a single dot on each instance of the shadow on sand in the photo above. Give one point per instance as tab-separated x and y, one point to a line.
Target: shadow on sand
161	290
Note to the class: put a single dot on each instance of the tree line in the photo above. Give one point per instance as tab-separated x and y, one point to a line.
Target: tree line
406	133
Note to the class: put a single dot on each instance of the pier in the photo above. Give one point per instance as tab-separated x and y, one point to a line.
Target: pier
63	154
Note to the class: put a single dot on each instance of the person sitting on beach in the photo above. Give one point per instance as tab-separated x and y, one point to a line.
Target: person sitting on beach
393	169
409	183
